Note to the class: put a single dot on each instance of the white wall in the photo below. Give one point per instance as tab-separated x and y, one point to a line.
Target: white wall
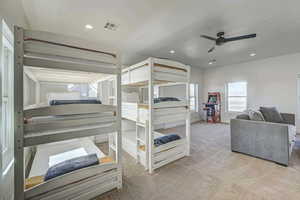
271	82
298	94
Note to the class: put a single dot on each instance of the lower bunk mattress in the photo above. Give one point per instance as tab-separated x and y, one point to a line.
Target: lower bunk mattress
84	183
51	154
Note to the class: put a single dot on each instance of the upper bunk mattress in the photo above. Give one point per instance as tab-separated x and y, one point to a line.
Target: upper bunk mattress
81	101
50	154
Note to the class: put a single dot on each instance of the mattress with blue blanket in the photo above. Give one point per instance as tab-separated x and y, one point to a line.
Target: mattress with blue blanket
165	99
166	139
71	165
82	101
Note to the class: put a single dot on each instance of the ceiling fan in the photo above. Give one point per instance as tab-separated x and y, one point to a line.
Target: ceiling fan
220	40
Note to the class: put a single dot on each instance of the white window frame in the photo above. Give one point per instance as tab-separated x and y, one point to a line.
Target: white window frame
227	96
196	97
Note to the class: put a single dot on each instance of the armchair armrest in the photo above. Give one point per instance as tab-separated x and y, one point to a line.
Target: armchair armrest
261	139
288	118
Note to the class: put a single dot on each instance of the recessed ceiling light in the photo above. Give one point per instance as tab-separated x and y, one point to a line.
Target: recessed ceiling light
252	54
172	51
88	26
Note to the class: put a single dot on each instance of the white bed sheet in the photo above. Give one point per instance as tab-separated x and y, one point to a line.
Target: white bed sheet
60	151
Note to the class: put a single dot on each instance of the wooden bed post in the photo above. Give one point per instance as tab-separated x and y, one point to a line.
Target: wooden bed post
18	114
119	125
188	119
150	117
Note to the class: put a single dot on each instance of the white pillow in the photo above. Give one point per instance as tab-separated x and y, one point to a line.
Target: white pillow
255	115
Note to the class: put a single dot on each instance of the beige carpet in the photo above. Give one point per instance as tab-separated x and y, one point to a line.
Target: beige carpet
211	172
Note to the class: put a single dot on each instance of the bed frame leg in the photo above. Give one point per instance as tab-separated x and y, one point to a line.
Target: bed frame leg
120	184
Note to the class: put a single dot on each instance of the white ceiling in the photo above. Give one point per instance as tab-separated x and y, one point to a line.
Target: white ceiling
154	27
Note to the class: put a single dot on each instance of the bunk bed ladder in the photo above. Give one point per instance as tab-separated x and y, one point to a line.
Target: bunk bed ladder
142	129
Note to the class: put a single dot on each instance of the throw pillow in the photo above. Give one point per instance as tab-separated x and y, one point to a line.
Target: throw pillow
271	114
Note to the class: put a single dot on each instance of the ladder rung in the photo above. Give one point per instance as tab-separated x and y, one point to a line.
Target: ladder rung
140	140
140	124
113	147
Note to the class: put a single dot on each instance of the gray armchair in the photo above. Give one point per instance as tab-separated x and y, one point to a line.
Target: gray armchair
270	141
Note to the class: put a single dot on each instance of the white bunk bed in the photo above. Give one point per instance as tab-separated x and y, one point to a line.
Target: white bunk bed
61	125
148	73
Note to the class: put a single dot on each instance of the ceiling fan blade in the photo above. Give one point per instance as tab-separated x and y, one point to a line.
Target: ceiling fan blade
211	49
240	37
209	38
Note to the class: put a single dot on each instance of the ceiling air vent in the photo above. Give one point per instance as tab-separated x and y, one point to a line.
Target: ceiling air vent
110	26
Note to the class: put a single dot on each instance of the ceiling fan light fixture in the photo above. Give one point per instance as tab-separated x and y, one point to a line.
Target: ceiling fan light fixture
110	26
221	40
212	62
252	54
172	51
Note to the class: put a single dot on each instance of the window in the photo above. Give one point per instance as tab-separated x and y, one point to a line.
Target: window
194	97
237	96
7	131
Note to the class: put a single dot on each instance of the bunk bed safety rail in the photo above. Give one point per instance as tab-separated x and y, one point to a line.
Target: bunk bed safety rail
172	63
66	53
169	153
181	142
65	123
164	71
168	160
44	137
70	178
68	109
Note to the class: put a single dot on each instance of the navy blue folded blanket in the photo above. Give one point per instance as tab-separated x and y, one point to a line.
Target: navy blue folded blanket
165	139
163	99
83	101
71	165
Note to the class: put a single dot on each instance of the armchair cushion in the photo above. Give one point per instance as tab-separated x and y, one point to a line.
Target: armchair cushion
271	114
